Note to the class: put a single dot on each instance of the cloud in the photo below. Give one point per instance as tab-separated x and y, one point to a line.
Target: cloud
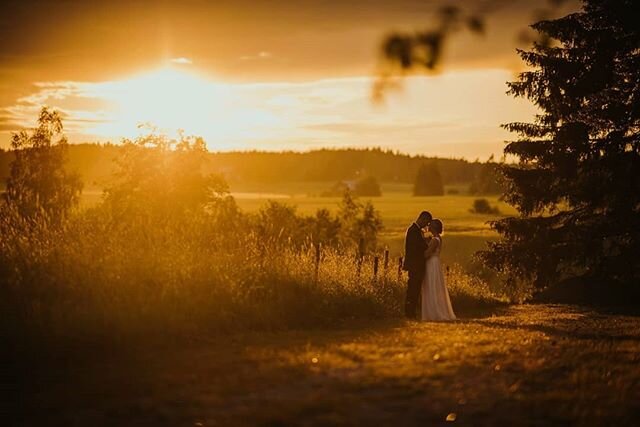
453	114
181	60
262	55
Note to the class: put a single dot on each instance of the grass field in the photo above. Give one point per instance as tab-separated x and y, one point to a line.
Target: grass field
465	232
525	365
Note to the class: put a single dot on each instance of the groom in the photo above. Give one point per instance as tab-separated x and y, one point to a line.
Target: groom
414	262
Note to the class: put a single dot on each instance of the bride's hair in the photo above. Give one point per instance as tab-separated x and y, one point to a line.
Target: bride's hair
437	225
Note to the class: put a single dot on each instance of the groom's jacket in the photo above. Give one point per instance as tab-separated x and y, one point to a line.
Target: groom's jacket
414	247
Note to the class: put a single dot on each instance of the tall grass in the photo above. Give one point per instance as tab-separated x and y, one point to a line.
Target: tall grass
102	279
168	253
96	277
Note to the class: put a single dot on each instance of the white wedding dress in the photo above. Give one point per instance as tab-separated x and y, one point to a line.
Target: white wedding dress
436	304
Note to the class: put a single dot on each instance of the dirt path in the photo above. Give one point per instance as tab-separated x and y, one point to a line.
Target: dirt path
532	365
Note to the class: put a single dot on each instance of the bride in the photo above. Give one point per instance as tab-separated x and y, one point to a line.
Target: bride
436	304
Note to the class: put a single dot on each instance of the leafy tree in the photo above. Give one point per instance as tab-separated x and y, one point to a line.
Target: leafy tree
368	187
163	177
325	228
428	181
576	183
359	221
38	182
279	223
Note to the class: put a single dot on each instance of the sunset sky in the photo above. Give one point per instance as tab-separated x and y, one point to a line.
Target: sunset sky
257	75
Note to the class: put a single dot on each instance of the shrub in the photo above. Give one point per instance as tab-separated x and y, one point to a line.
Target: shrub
482	206
367	187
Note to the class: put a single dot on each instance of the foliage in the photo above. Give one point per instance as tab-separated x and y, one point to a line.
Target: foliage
325	229
167	253
360	222
159	175
487	179
482	206
367	187
576	184
428	181
38	183
95	164
423	49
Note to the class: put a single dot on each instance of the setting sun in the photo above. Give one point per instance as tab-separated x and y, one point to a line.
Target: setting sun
169	99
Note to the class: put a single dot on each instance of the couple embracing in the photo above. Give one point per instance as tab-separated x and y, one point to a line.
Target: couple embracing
426	280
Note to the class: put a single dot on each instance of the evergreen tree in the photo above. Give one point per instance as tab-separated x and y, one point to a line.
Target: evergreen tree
38	182
487	179
428	181
576	184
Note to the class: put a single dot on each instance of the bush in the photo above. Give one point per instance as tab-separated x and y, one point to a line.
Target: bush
368	187
98	277
482	206
469	294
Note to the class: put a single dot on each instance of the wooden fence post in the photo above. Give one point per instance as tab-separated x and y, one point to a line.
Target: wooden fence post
360	254
317	260
399	268
386	261
376	260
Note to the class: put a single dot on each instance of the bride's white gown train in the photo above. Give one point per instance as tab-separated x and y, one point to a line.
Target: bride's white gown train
436	304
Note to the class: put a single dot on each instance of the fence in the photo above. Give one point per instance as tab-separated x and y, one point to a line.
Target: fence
360	260
361	257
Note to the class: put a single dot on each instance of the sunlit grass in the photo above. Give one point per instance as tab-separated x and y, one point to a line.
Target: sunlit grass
488	371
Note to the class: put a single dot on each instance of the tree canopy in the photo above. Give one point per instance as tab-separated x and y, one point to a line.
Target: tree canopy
38	181
576	182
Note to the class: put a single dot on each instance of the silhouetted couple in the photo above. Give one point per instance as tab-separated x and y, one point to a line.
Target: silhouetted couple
426	280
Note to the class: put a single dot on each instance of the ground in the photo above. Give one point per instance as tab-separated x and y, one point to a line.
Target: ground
524	365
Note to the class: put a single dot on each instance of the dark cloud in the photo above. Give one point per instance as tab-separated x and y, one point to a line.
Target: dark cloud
91	39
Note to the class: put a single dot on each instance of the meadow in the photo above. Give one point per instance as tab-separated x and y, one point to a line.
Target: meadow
214	308
465	232
535	365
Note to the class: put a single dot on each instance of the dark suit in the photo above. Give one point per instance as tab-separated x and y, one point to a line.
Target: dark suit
414	263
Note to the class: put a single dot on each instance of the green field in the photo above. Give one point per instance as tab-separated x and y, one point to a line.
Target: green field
465	232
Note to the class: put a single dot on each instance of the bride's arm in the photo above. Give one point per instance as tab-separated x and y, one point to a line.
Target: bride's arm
431	249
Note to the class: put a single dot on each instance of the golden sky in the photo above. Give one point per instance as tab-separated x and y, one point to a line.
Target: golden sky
265	75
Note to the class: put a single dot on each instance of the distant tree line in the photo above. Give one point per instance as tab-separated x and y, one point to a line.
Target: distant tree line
95	164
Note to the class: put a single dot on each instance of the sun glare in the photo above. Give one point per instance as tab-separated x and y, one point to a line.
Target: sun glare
170	100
